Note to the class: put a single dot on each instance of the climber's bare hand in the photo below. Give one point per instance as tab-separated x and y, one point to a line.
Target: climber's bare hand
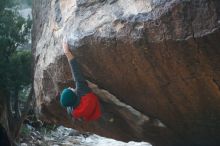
67	51
66	48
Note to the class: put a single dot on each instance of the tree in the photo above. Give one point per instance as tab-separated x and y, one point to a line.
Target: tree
5	3
15	66
10	39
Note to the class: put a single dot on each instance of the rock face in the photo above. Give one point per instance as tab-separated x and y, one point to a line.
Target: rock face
156	64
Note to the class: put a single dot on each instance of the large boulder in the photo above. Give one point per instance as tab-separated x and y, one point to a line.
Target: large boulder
155	64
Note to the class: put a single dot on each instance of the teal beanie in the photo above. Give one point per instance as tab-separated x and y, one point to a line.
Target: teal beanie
69	98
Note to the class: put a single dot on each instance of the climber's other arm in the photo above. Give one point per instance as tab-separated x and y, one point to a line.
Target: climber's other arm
81	84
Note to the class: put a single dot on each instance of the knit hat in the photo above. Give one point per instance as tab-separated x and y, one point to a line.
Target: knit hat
69	98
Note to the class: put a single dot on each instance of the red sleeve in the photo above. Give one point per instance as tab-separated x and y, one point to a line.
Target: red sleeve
96	112
89	108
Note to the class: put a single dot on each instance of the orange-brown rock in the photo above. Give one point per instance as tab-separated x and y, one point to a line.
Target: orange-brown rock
156	62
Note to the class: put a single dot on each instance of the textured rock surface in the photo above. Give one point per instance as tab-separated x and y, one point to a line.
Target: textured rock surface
160	57
62	136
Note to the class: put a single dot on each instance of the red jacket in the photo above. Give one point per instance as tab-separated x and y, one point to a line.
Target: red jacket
88	108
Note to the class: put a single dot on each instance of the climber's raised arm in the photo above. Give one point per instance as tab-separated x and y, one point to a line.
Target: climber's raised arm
81	84
82	102
70	56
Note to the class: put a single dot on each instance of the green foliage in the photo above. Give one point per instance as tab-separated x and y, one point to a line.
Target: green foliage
6	4
14	66
25	131
47	128
28	2
23	94
11	35
11	3
23	2
19	69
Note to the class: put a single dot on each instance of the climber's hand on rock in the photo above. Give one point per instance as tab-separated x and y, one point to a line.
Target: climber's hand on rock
66	47
67	51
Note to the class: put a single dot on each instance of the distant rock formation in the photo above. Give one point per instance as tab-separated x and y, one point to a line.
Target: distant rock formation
156	64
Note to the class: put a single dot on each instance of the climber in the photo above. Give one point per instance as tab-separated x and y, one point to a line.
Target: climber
80	102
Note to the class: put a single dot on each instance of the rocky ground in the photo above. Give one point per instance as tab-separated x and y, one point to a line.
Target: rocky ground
62	136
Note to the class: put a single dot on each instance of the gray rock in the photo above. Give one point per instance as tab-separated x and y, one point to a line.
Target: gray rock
24	144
